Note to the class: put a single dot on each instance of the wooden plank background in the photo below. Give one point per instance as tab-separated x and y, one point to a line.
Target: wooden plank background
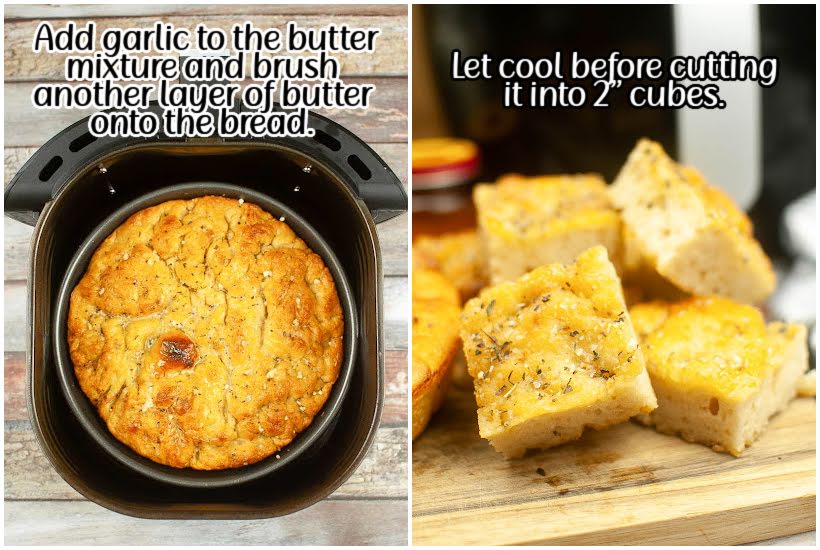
371	507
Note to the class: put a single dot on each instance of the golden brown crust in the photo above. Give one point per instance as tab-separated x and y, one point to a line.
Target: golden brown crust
435	341
712	344
527	222
206	333
429	395
709	344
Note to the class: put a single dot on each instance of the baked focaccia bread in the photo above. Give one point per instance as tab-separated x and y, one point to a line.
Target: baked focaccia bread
687	231
206	333
436	307
552	354
525	223
458	256
718	370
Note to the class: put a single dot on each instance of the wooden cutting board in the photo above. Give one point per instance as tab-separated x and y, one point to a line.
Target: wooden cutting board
624	485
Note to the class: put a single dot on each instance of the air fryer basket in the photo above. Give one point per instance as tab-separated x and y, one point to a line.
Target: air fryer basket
334	181
88	414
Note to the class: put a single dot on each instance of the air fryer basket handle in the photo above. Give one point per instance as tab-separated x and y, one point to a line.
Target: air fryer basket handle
53	164
39	180
372	180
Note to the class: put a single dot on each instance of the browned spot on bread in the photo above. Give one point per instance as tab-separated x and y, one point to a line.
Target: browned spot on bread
177	352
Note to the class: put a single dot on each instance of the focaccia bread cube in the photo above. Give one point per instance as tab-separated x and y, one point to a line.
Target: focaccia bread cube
458	256
436	309
689	232
719	371
553	353
525	223
641	276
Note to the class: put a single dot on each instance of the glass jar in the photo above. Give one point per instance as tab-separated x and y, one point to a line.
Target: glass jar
444	171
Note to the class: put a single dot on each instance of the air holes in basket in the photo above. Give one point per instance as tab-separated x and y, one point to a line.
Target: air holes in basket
327	140
51	167
81	142
360	167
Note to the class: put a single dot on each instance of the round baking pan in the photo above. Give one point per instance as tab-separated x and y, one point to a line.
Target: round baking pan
87	414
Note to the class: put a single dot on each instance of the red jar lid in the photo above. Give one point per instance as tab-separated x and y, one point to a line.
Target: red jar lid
439	163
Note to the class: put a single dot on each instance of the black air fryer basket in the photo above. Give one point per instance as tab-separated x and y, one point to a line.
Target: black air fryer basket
333	181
